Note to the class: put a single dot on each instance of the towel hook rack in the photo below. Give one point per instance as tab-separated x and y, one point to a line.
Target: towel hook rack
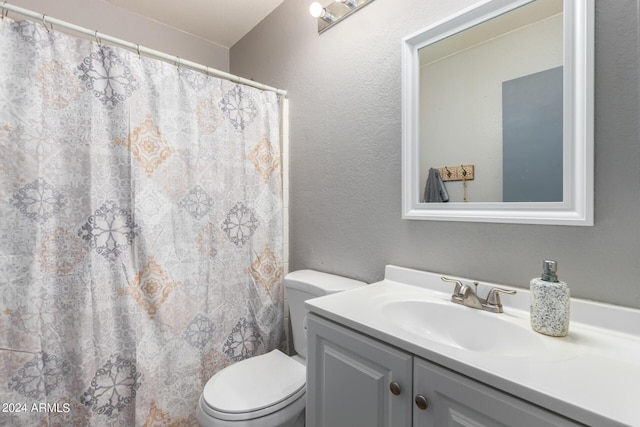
457	173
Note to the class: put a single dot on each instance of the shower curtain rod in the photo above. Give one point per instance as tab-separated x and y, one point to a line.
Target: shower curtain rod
5	8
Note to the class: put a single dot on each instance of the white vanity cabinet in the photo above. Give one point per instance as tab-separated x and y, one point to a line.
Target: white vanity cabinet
356	381
349	377
457	401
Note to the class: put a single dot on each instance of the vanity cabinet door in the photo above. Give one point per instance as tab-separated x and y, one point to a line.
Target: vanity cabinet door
355	381
457	401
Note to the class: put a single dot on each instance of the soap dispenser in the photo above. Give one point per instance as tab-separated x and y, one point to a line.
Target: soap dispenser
549	302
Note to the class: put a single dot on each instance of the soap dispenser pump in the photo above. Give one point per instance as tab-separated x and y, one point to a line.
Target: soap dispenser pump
550	302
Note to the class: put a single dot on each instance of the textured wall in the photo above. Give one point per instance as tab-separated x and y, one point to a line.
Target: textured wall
344	88
118	22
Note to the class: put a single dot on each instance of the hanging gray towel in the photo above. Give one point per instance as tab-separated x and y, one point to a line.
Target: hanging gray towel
435	190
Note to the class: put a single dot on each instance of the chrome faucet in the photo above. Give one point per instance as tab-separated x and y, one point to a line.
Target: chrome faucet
465	295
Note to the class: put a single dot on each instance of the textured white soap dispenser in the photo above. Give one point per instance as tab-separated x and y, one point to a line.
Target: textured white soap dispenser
550	302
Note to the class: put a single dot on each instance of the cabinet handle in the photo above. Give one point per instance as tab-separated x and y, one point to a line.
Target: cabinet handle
395	388
421	402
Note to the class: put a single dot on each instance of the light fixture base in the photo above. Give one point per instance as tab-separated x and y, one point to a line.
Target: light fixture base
339	11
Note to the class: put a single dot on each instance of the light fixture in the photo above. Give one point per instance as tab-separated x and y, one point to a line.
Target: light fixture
334	12
317	11
349	3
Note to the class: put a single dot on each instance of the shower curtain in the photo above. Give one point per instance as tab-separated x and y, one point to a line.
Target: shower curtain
140	232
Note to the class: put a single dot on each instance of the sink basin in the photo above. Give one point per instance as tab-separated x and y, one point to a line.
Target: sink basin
463	327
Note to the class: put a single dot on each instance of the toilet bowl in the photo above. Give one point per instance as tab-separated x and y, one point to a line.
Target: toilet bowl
266	390
269	390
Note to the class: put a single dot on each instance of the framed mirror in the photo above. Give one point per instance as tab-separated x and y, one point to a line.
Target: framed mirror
498	115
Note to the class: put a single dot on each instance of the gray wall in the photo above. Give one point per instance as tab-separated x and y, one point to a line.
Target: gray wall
344	89
118	22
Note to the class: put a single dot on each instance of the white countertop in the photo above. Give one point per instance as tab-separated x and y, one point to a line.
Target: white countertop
591	376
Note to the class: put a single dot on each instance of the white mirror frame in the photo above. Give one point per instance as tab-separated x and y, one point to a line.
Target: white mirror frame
577	205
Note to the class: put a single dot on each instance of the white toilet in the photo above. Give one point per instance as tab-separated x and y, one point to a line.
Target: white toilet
269	390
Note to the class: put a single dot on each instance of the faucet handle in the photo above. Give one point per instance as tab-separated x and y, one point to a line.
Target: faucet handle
493	298
458	289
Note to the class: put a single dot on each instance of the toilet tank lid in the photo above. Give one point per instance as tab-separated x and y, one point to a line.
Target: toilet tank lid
319	283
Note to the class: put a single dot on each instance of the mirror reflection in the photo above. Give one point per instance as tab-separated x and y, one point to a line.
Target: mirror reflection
491	110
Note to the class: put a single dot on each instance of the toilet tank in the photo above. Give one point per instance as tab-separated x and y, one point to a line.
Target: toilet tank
302	285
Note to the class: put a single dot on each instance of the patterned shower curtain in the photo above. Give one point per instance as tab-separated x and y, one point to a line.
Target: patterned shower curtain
140	232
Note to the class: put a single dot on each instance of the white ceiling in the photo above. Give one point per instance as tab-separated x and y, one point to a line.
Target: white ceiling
220	21
496	27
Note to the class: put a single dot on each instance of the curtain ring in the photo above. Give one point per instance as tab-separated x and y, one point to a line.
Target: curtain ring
44	23
177	63
138	50
5	11
98	41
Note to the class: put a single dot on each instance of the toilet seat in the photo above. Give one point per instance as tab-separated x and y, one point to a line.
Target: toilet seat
254	387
